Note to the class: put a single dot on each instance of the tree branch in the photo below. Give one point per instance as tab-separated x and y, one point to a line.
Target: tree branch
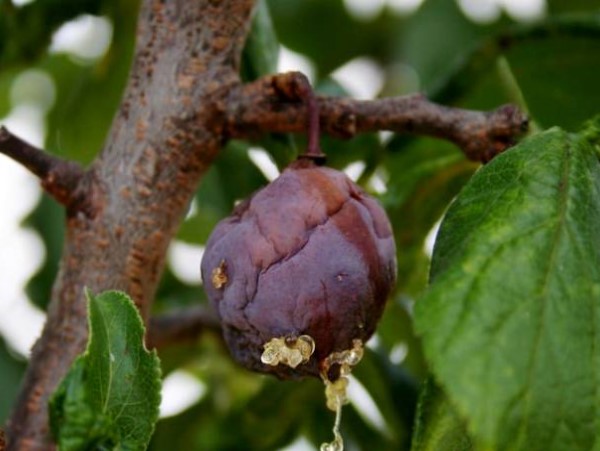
180	326
271	105
59	178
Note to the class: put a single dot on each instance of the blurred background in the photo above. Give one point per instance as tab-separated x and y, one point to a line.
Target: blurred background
63	67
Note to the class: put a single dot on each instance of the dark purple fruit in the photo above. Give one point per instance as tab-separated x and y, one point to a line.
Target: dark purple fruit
306	262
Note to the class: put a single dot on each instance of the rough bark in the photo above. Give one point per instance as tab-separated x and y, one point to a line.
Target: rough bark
162	140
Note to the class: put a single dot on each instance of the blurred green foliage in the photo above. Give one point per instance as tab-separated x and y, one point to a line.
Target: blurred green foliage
11	371
553	65
26	31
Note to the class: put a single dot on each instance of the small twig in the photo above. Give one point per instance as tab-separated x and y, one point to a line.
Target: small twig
180	326
266	106
59	178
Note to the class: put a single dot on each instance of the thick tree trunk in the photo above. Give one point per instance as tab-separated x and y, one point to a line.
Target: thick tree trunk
132	199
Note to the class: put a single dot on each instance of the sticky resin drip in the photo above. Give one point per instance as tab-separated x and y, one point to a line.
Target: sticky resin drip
290	351
219	275
336	391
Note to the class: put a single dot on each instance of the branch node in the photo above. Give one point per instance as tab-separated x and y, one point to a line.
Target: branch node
59	178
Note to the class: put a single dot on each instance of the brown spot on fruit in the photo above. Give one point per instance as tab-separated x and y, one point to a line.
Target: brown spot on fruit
310	254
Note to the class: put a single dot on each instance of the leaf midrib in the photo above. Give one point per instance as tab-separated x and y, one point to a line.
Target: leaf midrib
110	362
560	227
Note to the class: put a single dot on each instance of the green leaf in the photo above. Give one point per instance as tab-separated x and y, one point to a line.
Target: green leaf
283	148
87	97
360	434
431	56
566	47
268	420
570	6
261	52
394	392
110	397
396	329
272	418
25	31
424	178
510	323
324	31
7	77
438	426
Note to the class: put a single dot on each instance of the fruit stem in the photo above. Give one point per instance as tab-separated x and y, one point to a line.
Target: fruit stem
313	149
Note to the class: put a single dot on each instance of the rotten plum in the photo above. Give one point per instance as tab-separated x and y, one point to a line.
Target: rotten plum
305	266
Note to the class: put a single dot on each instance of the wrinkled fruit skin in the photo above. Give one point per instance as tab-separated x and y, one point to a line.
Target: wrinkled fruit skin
309	254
